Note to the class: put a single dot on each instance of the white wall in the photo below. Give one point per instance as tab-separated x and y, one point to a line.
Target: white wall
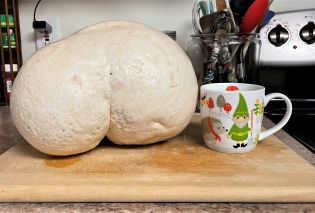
160	14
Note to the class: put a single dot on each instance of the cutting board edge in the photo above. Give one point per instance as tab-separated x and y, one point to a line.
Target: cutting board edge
155	194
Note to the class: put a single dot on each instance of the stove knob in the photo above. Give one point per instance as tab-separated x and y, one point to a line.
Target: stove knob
278	36
307	33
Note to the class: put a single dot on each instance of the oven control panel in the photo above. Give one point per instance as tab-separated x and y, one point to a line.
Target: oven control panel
289	39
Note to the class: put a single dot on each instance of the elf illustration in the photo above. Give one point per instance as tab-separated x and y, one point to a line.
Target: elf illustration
240	130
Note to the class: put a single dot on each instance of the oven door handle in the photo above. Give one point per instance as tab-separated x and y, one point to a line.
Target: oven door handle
295	112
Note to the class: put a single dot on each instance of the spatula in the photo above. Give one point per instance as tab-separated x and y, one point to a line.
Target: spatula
254	15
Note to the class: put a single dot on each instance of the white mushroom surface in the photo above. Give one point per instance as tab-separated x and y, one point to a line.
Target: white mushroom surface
119	79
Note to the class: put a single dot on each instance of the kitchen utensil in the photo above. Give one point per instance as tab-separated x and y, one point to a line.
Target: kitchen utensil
200	9
227	4
217	20
204	7
212	9
206	22
239	8
254	15
226	7
223	20
269	15
221	5
195	17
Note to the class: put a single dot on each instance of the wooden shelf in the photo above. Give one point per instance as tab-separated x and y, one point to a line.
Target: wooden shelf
10	48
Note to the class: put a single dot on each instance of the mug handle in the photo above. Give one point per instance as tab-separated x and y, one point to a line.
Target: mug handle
285	119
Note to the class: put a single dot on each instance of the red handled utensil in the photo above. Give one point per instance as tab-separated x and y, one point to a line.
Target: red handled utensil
254	15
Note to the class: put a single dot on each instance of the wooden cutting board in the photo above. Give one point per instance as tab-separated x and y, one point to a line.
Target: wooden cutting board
180	169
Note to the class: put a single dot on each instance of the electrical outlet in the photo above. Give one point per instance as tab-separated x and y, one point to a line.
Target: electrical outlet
42	39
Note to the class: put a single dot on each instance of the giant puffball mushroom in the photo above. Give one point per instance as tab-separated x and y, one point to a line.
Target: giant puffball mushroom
121	79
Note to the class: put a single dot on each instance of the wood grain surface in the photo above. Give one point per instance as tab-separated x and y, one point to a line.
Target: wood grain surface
180	169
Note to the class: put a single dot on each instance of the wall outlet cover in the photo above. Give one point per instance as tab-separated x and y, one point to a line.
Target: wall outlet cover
42	40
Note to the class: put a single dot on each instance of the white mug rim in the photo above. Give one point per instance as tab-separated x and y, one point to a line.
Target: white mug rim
214	86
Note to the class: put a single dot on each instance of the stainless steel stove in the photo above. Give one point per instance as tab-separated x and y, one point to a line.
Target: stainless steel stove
288	66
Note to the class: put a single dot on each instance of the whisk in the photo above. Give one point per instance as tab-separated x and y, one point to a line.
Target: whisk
201	8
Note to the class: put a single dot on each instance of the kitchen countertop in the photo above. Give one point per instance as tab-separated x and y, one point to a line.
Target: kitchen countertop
9	136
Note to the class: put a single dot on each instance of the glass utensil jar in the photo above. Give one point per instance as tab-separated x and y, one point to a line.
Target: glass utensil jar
230	57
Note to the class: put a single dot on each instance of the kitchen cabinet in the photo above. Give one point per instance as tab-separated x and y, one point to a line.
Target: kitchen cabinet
10	47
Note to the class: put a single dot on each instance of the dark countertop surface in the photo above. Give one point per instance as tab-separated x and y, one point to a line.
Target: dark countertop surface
9	136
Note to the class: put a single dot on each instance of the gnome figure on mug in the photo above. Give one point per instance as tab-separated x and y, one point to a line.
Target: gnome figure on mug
240	130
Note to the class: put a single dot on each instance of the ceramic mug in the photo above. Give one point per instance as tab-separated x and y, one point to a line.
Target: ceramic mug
232	114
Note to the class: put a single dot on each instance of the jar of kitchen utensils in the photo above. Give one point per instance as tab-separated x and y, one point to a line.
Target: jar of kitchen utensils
223	58
230	57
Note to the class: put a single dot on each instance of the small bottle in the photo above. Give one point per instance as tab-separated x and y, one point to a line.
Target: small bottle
4	21
5	41
8	77
12	38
